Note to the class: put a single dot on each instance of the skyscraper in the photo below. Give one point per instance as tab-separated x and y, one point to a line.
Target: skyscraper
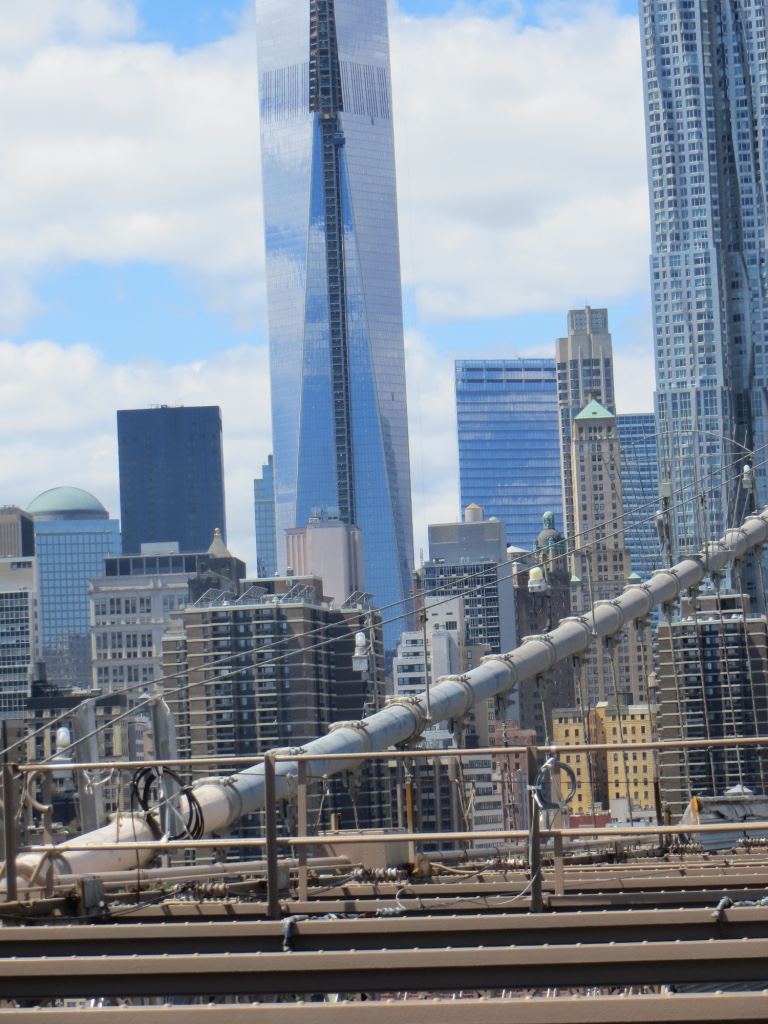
706	97
469	560
602	562
333	278
171	476
19	638
73	533
713	683
509	461
584	372
17	532
264	516
640	482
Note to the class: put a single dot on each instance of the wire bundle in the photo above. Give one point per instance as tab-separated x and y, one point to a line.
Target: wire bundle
141	791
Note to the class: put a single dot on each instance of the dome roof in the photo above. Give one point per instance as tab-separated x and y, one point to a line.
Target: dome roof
67	500
549	533
546	536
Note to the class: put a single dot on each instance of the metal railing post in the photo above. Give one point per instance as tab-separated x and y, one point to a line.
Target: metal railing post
270	831
9	834
534	841
48	831
301	828
558	857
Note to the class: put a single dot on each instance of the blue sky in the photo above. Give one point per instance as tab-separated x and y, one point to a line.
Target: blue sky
131	250
140	308
137	308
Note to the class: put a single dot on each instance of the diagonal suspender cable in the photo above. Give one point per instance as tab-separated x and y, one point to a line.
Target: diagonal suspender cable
224	800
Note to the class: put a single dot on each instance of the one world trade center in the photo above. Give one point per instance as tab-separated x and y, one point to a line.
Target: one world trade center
339	420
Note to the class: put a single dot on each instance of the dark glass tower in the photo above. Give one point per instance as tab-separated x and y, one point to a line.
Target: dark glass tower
339	420
264	516
171	476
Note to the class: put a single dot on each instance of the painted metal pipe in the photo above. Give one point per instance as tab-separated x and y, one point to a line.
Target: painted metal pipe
401	722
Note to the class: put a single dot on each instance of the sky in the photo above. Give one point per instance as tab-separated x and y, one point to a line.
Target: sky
131	235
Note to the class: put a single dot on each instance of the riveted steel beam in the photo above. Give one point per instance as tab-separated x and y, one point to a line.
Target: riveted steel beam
426	932
419	970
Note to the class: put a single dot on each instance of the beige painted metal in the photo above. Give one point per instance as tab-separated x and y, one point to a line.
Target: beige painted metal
402	721
715	1008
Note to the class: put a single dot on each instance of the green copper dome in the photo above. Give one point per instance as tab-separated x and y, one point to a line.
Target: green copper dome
69	502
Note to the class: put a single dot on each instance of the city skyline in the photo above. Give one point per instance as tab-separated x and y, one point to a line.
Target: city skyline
153	330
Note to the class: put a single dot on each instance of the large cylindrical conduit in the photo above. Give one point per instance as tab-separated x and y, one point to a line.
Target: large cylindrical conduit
403	720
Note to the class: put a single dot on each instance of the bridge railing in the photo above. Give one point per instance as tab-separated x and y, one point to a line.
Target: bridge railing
288	842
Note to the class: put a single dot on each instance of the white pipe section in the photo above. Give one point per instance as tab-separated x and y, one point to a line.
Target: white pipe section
190	872
403	720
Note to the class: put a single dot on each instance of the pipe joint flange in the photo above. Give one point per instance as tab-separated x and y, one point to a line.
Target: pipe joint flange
360	728
223	781
736	541
552	651
647	590
584	623
673	575
468	690
414	705
507	660
614	603
761	518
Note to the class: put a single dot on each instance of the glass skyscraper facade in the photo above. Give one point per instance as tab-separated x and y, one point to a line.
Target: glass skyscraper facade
73	533
264	515
171	476
706	97
640	482
509	454
337	368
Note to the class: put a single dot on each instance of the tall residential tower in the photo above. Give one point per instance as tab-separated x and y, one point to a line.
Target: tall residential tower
333	278
706	97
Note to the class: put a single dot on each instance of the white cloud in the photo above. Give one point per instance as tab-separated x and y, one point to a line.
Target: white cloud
57	411
521	161
27	25
57	424
124	151
433	444
521	178
520	156
57	408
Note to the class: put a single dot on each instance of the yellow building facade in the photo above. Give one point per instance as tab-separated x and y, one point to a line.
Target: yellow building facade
604	776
